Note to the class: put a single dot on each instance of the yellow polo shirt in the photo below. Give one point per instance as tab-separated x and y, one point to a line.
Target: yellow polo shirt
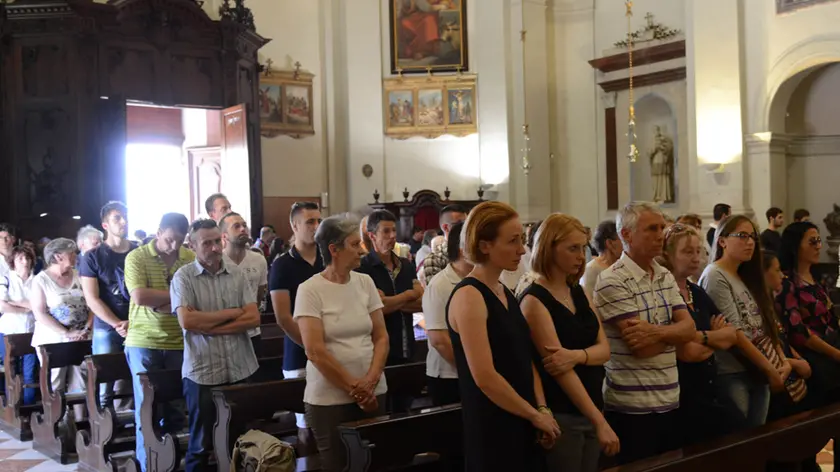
144	268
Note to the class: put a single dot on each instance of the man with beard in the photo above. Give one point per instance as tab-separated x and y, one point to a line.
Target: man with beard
236	238
102	272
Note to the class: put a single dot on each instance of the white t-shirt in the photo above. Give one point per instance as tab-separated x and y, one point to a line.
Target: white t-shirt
345	310
4	267
67	305
15	289
434	310
255	270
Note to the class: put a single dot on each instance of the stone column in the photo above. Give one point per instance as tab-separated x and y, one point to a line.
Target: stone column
766	154
531	193
714	105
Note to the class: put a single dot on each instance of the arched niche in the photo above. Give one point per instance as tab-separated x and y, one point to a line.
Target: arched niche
654	115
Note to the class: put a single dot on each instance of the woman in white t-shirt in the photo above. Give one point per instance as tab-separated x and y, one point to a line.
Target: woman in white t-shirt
17	313
343	330
61	314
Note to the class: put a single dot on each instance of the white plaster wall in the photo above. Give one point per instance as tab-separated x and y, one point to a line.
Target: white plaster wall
294	167
813	107
779	46
812	183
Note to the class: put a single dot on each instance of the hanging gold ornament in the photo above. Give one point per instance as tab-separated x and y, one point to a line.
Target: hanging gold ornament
631	123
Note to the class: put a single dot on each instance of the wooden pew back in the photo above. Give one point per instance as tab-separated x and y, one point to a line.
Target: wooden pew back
391	442
16	416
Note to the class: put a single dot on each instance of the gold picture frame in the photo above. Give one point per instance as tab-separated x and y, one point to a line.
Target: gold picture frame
285	104
430	106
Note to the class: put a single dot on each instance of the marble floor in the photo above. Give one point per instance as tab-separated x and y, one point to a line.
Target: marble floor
16	456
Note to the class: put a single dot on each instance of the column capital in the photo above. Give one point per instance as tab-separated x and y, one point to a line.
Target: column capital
776	142
609	99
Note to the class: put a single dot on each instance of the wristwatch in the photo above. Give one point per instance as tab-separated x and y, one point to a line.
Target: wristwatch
705	338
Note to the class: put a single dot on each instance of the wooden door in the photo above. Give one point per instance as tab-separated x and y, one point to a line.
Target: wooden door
235	162
205	177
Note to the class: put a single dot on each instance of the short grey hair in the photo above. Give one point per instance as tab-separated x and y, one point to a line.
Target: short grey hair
58	246
334	230
628	217
86	233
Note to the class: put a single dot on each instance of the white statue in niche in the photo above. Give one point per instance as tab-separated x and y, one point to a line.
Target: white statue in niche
662	168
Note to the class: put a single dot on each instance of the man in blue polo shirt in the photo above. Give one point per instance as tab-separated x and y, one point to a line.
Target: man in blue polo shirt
102	271
287	272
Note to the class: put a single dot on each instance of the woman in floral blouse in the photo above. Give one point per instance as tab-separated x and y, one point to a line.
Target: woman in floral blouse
805	310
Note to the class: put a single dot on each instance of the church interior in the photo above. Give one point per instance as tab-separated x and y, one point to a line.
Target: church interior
415	110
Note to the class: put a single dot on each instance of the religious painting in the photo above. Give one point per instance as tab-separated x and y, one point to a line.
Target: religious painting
428	35
297	105
460	106
271	99
430	106
286	103
400	108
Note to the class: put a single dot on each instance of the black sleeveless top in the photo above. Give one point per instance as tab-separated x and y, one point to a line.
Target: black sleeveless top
493	438
577	330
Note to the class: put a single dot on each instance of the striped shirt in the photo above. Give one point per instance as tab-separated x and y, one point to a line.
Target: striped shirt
222	358
634	385
144	268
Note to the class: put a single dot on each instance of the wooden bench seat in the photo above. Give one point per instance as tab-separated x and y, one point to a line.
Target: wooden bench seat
16	416
49	439
396	441
110	440
784	442
166	452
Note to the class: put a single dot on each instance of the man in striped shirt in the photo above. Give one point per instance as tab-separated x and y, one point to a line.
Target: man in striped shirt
645	319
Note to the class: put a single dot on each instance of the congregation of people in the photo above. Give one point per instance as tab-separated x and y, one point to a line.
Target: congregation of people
562	347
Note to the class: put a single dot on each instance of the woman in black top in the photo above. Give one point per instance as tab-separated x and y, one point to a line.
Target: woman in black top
565	330
704	414
501	398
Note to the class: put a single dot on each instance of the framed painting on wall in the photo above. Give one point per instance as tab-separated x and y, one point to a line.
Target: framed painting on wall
428	35
430	106
286	104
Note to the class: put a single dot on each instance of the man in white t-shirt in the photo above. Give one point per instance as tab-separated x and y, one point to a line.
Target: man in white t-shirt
442	376
236	239
8	237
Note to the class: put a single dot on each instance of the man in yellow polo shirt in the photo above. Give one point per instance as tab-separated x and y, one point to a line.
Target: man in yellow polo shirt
155	340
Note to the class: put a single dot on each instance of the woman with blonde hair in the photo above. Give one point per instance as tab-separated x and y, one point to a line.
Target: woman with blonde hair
500	390
704	413
568	334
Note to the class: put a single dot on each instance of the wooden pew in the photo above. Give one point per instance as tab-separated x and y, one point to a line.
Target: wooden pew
110	441
16	415
785	442
165	453
254	405
394	442
48	439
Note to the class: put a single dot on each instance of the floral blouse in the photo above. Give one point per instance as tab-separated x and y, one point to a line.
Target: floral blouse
805	310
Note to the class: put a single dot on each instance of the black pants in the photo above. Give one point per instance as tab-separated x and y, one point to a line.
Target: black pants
444	391
202	418
643	436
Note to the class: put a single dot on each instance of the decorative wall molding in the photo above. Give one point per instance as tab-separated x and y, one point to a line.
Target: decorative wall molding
643	56
644	80
785	6
809	146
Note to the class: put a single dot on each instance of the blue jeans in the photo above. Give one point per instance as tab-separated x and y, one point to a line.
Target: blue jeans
27	366
202	417
108	341
171	418
750	395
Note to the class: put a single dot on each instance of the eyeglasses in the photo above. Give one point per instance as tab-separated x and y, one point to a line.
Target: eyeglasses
743	235
817	241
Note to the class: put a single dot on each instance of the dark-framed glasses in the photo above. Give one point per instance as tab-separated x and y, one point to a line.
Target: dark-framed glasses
743	235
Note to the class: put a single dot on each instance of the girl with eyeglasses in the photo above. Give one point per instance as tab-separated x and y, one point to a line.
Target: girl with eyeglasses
734	280
701	407
805	311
